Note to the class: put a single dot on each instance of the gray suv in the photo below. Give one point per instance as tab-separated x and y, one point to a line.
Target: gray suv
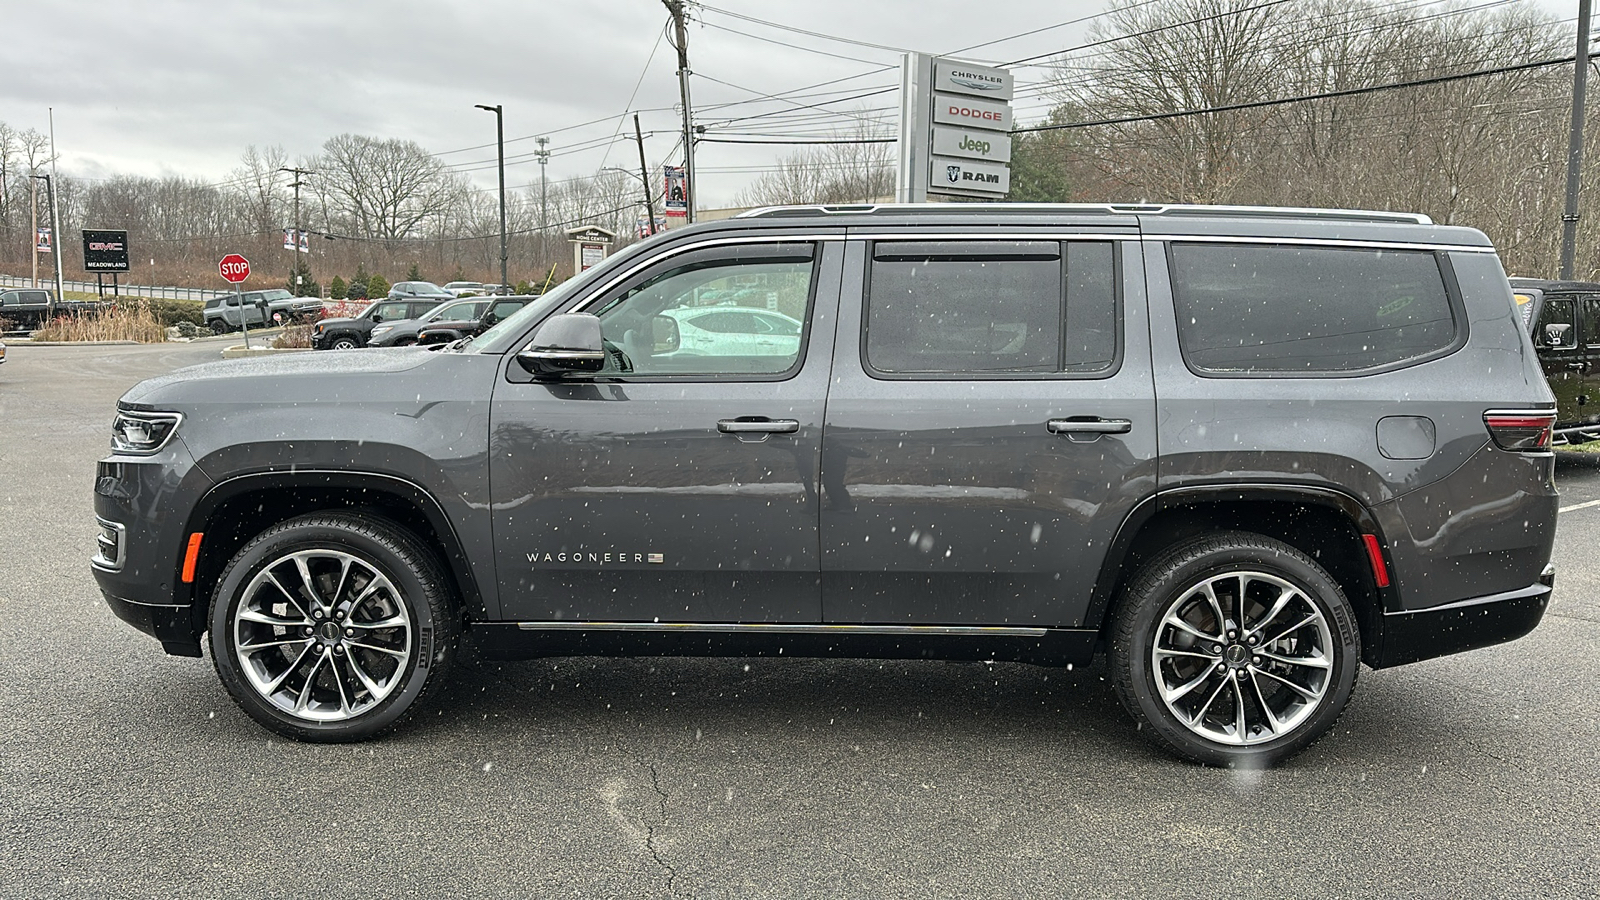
1238	452
231	312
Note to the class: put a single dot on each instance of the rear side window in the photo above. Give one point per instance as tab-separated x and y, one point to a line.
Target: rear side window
1558	324
1265	308
991	308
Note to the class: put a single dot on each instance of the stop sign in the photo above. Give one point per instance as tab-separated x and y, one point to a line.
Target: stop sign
234	267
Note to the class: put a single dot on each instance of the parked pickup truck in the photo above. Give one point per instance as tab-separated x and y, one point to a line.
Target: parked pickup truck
27	308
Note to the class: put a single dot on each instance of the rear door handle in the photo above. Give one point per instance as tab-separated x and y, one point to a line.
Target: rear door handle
1578	366
1089	426
758	426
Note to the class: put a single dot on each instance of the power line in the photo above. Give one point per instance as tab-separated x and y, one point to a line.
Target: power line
1325	95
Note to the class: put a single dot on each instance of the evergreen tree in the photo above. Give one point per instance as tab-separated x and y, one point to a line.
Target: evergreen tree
336	288
301	284
414	273
377	288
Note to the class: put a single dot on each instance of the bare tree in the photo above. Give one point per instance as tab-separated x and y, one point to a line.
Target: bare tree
385	188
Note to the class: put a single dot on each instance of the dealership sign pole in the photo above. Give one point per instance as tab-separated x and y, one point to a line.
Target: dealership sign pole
955	124
235	269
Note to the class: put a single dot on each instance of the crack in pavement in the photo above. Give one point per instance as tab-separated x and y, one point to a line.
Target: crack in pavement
650	832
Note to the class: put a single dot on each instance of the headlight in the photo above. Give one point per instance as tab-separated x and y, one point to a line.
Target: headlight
382	329
318	328
142	432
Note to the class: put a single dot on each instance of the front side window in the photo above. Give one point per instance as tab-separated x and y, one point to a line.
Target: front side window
390	311
1271	308
724	311
991	308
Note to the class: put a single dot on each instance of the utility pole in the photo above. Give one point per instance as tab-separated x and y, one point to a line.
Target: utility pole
543	154
1580	76
55	225
294	268
500	142
682	46
55	241
33	233
644	176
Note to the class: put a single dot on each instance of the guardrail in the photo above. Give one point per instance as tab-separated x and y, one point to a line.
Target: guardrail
128	290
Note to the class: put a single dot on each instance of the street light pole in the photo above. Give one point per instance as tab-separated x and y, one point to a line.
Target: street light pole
1580	74
55	242
500	141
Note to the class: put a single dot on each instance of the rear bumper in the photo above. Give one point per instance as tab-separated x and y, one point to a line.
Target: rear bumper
1408	637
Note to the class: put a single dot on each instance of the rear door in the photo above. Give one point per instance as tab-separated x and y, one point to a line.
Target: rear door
991	421
1563	354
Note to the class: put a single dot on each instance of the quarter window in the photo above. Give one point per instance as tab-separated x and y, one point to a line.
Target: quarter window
1251	308
1558	325
991	308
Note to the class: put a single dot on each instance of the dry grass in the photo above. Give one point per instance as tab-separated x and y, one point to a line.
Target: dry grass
127	322
294	336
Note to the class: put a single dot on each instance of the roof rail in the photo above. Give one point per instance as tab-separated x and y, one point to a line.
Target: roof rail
1113	209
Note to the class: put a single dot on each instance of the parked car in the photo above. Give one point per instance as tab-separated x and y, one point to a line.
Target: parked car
465	288
403	332
229	312
2	351
444	331
350	333
29	308
1238	451
1564	320
724	329
422	290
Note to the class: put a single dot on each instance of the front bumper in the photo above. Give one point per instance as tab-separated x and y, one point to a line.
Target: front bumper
172	625
1408	637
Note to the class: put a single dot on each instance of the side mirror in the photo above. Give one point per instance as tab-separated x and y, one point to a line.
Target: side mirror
664	330
377	319
564	345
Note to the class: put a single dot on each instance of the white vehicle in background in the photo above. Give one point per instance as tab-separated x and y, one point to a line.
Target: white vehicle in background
735	331
465	288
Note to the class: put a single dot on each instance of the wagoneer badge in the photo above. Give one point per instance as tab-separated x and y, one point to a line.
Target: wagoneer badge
595	557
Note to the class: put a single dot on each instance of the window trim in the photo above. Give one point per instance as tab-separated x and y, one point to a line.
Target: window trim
1117	243
640	274
1441	258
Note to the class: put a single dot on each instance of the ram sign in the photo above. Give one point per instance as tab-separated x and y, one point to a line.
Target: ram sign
105	251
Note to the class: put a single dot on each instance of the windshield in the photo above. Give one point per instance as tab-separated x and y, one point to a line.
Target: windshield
279	294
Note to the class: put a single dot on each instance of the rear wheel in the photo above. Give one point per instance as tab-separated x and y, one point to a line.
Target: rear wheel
1235	650
332	627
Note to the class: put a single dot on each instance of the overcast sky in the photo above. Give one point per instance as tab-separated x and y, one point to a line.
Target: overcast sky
182	87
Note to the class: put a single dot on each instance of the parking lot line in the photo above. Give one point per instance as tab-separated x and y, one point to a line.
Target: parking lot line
1578	506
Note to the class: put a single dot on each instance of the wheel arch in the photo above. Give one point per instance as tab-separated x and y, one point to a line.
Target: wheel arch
1325	524
238	508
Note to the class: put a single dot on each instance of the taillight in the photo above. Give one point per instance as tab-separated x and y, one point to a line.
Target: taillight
1520	429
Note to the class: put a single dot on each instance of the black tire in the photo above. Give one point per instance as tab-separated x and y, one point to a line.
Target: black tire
343	342
374	646
1305	676
219	327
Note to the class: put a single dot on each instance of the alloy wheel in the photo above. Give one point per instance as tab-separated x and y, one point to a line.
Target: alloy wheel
322	635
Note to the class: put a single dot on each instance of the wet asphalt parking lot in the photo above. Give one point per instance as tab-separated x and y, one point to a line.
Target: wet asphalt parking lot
127	773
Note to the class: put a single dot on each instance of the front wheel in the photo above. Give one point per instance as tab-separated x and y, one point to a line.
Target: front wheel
343	342
1234	650
219	327
332	627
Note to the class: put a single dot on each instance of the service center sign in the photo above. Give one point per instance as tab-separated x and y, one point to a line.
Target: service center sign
105	251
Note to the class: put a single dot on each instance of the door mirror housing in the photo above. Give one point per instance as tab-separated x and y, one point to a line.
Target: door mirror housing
664	330
564	345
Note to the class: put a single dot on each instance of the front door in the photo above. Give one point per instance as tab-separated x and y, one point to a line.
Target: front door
989	431
680	483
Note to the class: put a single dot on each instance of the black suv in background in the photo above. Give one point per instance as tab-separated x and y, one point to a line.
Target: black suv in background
403	332
1564	318
350	333
443	331
1240	452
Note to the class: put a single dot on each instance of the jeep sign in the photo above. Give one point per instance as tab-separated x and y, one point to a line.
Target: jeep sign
990	145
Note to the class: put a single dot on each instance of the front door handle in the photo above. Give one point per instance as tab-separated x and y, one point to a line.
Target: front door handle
758	426
1578	366
1089	426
